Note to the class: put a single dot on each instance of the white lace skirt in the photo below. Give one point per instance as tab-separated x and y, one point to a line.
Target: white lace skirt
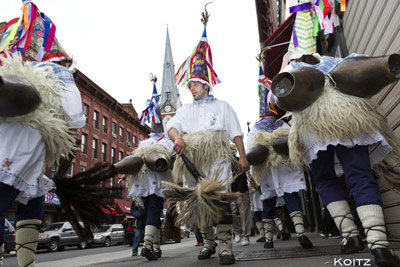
22	154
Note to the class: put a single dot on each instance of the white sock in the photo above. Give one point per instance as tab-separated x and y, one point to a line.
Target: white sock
344	220
373	221
26	239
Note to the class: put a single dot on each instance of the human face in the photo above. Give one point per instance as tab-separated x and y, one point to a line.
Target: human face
198	90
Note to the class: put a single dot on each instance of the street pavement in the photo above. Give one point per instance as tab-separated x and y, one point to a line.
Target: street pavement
185	254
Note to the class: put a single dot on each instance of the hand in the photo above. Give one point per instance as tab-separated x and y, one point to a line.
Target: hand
243	165
179	145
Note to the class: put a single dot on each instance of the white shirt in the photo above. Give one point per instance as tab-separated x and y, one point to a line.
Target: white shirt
212	116
151	182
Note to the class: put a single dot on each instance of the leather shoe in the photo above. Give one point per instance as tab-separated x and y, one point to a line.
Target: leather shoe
226	259
206	253
261	239
352	244
158	253
269	244
384	257
148	254
304	241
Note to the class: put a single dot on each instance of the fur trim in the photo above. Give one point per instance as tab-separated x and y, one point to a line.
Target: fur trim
48	118
203	149
202	204
274	159
143	152
335	115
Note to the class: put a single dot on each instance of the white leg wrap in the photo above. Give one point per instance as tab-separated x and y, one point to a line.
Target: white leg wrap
298	222
156	241
260	227
373	221
344	220
208	237
278	223
224	234
27	233
150	231
269	225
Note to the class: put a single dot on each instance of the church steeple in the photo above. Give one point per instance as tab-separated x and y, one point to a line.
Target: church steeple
169	101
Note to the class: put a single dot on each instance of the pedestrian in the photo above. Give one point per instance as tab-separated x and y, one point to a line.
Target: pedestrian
241	211
203	130
338	132
125	225
139	213
146	184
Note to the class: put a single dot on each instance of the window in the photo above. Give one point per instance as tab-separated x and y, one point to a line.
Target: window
82	169
121	154
105	121
70	171
94	148
112	155
96	119
134	140
128	138
121	134
114	130
84	143
168	96
86	112
111	181
103	152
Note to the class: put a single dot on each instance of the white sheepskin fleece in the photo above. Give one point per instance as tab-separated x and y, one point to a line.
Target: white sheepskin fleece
274	159
143	152
335	115
203	149
48	117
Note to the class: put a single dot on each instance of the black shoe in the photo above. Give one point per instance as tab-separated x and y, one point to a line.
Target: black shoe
261	239
206	253
226	260
148	254
285	235
352	244
158	253
269	244
134	253
384	257
304	241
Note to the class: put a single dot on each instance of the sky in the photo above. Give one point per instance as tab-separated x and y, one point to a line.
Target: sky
118	43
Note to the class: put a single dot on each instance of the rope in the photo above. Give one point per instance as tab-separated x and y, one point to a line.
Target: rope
300	215
372	244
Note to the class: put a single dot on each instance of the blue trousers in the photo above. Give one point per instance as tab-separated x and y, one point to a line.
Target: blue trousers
292	201
199	236
34	209
136	240
257	215
357	173
153	205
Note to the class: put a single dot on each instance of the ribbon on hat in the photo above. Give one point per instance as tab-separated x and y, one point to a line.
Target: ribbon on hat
264	86
316	13
151	113
32	30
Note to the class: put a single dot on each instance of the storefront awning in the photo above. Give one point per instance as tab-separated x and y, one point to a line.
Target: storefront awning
277	45
123	205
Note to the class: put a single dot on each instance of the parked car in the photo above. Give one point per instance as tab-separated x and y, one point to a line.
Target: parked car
9	237
58	235
109	234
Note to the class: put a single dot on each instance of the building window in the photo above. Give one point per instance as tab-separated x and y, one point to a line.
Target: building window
96	120
105	121
84	143
112	155
103	152
128	138
121	154
111	181
94	148
168	95
121	134
70	171
114	130
134	140
82	169
86	112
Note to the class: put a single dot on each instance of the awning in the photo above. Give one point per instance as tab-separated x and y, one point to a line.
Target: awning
123	205
278	43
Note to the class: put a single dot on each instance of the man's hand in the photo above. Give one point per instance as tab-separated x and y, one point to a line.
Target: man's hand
243	165
179	145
